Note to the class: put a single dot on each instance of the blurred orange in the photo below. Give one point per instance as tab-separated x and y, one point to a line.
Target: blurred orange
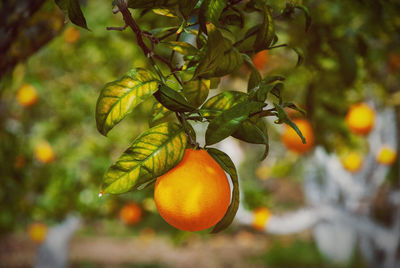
130	214
27	95
260	60
263	172
195	194
44	152
292	140
71	35
260	218
360	118
352	162
37	232
386	155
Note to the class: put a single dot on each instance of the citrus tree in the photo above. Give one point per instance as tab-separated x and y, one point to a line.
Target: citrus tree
213	39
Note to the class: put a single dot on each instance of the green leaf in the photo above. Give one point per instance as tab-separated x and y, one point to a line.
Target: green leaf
119	97
210	11
300	56
196	92
172	100
255	76
253	131
222	102
152	154
306	14
158	112
220	58
214	82
226	163
186	7
164	12
228	121
183	48
72	9
266	34
273	78
284	118
293	106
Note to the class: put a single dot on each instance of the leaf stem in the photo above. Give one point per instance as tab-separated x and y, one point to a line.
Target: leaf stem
182	119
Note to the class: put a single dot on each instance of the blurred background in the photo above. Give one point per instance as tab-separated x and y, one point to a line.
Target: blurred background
334	204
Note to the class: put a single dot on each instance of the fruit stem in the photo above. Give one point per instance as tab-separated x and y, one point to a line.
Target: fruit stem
182	119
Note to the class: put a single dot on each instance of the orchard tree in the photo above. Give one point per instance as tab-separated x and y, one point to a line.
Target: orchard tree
214	39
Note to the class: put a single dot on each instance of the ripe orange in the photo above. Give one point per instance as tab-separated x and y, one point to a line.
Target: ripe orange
37	232
195	194
292	140
360	118
130	214
386	155
260	218
71	35
352	162
27	95
260	60
44	152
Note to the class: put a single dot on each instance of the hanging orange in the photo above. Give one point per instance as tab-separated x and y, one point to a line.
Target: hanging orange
131	213
195	194
360	118
292	140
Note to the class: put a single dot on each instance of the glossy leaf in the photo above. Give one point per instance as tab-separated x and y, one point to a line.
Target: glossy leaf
172	100
183	48
119	97
253	131
293	106
266	33
284	118
196	92
151	155
226	163
186	7
210	11
222	102
72	9
158	112
220	57
164	12
229	121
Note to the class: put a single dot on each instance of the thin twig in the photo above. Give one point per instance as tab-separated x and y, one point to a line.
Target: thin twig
117	28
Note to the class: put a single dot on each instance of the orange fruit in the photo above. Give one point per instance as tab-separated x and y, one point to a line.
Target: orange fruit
360	118
71	35
260	60
37	232
386	155
130	214
260	218
44	152
195	194
352	162
292	140
27	95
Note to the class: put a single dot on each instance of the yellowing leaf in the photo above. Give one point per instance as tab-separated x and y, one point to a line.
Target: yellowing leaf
152	154
119	97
